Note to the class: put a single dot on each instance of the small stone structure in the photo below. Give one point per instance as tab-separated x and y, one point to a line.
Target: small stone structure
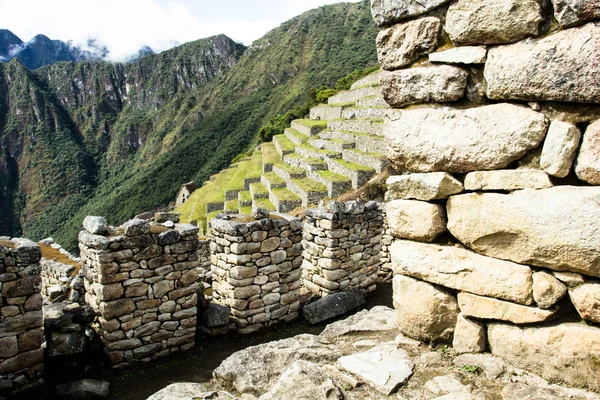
256	268
62	278
342	245
140	279
185	192
21	326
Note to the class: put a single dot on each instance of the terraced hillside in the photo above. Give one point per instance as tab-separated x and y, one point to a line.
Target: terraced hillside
338	149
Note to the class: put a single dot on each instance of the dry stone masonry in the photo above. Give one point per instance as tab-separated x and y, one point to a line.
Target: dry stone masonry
21	325
141	280
256	268
494	208
342	246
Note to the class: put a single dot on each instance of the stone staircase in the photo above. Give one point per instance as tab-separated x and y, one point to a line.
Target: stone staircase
339	148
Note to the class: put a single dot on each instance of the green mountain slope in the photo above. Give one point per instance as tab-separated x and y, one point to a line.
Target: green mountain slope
184	114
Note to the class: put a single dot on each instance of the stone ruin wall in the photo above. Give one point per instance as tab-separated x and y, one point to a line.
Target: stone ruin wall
256	268
140	279
342	247
494	208
21	325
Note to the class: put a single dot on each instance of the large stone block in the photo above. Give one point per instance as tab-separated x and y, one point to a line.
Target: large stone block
116	308
95	225
586	299
386	12
566	353
435	84
554	228
403	44
463	270
487	308
22	287
508	179
332	306
559	67
587	166
575	12
492	21
547	290
427	186
560	148
415	220
424	311
430	139
469	335
460	55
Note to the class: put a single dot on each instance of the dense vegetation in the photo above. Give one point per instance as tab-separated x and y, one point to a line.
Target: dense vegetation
118	139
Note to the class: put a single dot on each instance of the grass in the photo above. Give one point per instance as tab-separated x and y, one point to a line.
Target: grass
310	186
285	143
312	123
273	178
264	203
254	166
244	196
327	153
232	205
346	104
374	155
50	253
247	210
283	194
333	177
269	153
352	166
298	135
293	171
258	188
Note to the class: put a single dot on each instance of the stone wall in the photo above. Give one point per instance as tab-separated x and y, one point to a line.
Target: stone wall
494	207
62	279
342	246
256	268
21	327
140	279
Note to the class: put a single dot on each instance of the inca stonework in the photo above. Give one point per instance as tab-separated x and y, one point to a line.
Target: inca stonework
493	210
141	280
21	325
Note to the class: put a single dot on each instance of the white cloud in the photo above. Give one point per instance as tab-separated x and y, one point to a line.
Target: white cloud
124	26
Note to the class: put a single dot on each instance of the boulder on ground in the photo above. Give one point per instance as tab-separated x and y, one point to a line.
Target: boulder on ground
303	380
492	366
332	306
554	228
85	389
379	318
430	139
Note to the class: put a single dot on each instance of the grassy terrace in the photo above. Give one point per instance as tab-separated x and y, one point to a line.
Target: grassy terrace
245	196
353	167
285	143
269	153
237	179
273	178
232	205
312	123
333	177
258	189
348	104
293	171
297	134
310	186
326	153
284	194
254	166
374	155
246	210
264	203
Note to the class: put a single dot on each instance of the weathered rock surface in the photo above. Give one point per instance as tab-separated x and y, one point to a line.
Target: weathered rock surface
559	67
379	318
487	308
435	84
303	380
566	353
587	166
463	270
425	312
492	21
460	55
184	391
575	12
415	220
95	225
560	148
386	12
85	389
547	290
469	335
449	386
430	139
508	179
427	186
492	366
403	44
332	306
520	391
570	279
586	299
554	228
255	369
384	367
214	315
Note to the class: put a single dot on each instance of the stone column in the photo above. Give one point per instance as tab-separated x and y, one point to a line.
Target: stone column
21	325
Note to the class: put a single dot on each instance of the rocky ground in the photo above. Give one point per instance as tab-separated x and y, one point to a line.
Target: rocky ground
363	357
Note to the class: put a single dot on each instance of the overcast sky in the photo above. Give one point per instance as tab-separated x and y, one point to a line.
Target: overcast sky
126	25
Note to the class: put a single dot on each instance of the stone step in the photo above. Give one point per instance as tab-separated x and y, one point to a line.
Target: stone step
294	136
372	101
326	112
263	203
309	127
271	181
269	156
307	164
336	184
369	80
332	144
258	191
283	145
373	126
232	207
287	172
311	192
364	112
350	96
245	199
308	151
362	142
283	200
359	174
373	160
